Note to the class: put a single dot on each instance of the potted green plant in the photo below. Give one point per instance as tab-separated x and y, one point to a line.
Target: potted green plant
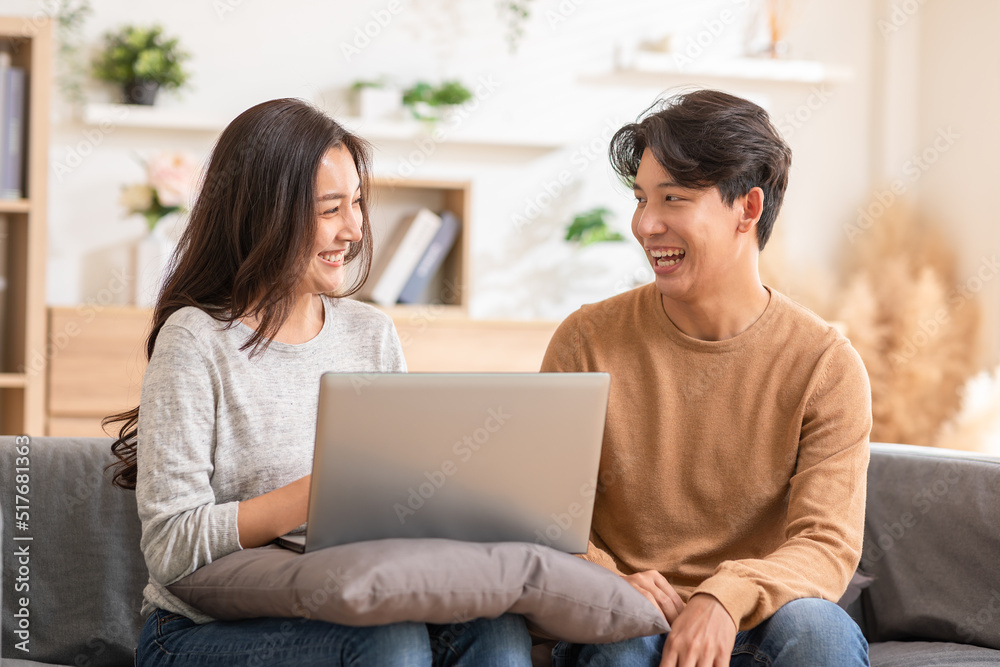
141	60
376	99
592	227
427	102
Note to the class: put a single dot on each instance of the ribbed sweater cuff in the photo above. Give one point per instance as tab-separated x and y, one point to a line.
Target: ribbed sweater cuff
737	595
224	534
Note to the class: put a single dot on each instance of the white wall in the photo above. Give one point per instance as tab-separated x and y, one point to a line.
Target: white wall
262	50
959	89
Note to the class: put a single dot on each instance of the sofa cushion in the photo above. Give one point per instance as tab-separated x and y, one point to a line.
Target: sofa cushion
926	654
85	570
425	580
931	542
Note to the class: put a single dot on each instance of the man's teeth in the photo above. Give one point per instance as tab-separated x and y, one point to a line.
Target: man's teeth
332	256
667	257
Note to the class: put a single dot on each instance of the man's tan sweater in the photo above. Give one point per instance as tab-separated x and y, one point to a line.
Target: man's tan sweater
736	468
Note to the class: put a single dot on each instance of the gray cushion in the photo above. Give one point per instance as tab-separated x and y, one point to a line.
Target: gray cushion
932	543
86	571
425	580
925	654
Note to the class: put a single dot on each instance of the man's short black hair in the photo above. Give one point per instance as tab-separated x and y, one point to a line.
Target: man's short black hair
709	138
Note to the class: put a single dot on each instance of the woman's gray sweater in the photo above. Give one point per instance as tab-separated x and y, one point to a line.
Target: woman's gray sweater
217	428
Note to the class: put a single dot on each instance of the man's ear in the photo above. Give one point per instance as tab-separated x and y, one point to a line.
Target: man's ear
752	208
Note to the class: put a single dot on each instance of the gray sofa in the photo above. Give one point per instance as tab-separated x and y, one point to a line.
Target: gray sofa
932	544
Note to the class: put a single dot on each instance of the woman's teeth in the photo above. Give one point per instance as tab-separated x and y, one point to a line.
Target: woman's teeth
332	256
667	257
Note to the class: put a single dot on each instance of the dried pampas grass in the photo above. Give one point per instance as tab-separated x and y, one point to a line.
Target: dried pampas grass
976	427
915	332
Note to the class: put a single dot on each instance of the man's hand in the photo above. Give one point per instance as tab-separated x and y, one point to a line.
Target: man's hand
702	636
658	590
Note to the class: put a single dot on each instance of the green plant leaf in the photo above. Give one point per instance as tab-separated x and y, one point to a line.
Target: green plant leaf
591	227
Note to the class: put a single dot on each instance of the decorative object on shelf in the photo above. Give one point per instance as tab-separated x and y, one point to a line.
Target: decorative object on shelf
592	227
514	14
162	200
428	103
768	33
141	60
376	100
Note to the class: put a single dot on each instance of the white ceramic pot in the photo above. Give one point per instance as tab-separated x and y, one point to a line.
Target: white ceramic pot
152	258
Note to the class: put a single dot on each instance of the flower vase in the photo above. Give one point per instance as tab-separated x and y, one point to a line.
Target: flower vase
152	259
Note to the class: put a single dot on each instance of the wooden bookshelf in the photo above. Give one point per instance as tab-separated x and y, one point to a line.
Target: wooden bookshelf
396	198
24	356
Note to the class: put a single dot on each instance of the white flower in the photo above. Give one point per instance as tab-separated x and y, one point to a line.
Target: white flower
137	198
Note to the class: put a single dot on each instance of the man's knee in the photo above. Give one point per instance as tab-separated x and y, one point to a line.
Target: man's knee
816	622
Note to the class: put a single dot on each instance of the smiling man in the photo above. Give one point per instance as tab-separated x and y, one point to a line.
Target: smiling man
736	446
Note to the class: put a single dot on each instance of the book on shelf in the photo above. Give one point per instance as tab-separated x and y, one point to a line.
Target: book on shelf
3	291
398	259
432	260
13	92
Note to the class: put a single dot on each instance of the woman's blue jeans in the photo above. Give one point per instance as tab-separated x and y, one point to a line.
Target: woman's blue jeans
172	640
806	632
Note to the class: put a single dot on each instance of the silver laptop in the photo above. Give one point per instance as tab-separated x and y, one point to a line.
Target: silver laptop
480	457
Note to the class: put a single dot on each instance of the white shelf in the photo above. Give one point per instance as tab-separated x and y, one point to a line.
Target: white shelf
651	69
156	118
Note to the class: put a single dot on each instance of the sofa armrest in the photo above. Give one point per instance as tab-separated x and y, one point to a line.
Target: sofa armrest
85	570
932	535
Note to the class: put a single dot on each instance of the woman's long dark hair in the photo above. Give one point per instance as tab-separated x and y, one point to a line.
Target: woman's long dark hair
250	234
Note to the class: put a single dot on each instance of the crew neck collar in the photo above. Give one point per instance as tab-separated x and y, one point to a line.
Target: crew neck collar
745	337
296	348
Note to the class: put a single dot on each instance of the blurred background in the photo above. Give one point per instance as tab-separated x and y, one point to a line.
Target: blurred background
501	111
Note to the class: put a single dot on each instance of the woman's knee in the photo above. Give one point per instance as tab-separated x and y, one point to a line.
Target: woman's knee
497	641
637	651
402	644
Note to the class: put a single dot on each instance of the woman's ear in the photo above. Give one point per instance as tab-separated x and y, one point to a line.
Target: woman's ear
752	206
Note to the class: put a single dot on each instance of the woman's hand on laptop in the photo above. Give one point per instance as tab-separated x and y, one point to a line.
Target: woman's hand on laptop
657	590
261	519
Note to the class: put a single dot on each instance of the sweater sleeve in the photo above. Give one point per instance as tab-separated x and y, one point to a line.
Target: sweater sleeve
564	355
392	359
182	526
826	502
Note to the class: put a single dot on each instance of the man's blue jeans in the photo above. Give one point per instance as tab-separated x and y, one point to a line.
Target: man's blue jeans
172	640
804	633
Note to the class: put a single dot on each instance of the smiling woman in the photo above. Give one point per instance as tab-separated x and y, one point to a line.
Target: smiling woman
219	449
